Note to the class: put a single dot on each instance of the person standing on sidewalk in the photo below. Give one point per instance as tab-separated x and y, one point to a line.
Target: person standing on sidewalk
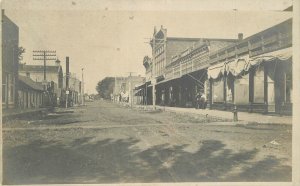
203	102
197	98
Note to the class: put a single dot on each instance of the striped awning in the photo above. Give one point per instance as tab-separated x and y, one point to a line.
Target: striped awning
282	55
216	70
242	64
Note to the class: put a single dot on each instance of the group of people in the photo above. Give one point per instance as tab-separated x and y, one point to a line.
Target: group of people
201	102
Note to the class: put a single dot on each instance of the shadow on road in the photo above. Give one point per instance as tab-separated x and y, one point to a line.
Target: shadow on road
49	119
86	160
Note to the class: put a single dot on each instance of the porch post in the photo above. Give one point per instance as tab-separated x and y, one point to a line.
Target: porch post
210	93
251	89
265	89
225	91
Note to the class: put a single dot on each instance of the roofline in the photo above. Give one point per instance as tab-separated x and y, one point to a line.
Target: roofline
253	35
269	28
29	79
197	39
217	39
183	38
41	69
160	30
290	8
4	15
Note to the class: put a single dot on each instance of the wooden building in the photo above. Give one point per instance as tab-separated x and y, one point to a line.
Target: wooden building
254	74
10	47
54	74
30	93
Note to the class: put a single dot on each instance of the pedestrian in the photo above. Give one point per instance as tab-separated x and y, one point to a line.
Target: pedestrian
203	102
197	98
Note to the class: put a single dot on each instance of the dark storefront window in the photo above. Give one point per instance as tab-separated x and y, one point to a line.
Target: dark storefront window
289	87
229	88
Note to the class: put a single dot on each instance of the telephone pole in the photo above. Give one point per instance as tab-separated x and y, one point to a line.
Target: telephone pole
82	86
44	55
67	80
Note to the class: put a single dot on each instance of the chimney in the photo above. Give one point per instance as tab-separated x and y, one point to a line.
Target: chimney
3	12
154	30
67	72
240	36
161	26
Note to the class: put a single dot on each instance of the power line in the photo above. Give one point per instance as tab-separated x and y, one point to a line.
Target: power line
44	55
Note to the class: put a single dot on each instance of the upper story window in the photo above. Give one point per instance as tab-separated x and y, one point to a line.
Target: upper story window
159	50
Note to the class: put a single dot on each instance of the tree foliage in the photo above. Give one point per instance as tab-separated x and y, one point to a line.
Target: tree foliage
105	87
21	51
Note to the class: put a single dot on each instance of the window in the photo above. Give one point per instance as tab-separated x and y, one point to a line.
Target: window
229	88
11	88
241	90
289	87
218	89
270	80
259	85
4	79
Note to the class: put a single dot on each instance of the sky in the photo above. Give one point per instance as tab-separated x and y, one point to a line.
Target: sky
110	38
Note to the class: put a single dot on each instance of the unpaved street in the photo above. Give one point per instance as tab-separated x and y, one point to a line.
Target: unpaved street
105	142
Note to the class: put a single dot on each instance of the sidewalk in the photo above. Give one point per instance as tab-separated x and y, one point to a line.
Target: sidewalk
13	113
242	116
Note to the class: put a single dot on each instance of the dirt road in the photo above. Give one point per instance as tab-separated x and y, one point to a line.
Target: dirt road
108	143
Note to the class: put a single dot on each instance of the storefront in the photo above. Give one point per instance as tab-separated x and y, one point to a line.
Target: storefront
258	84
181	91
30	94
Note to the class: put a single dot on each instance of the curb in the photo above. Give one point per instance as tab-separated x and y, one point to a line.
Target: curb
237	123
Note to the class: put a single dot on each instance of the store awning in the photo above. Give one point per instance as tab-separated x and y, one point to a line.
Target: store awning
29	83
244	63
216	70
143	85
282	55
167	80
237	66
160	78
139	92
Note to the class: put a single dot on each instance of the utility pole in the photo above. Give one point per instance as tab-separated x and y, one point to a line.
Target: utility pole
130	88
82	85
130	73
44	55
67	80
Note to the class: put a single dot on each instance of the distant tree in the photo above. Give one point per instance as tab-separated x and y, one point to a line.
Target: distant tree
105	87
146	61
21	51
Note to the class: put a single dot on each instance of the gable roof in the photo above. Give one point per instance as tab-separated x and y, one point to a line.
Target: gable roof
39	68
30	83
